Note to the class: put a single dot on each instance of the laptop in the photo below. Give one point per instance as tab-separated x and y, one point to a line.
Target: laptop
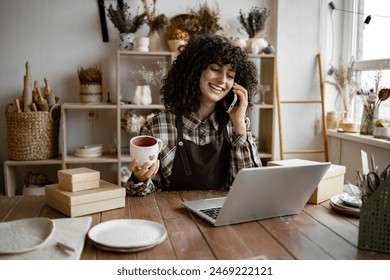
261	193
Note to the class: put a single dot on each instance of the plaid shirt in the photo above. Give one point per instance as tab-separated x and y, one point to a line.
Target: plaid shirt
243	153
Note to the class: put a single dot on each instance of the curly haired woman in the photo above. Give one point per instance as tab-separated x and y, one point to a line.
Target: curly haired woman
204	145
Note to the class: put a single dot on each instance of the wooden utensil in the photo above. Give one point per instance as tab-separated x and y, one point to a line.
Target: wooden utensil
27	90
17	105
38	98
48	94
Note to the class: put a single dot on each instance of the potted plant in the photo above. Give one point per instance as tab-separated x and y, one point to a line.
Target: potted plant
179	38
90	79
371	100
346	87
254	25
125	24
146	78
156	23
198	21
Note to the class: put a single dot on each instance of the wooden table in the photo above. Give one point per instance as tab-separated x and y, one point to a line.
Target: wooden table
316	233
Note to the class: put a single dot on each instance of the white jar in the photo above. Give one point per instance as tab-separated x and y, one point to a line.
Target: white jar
142	44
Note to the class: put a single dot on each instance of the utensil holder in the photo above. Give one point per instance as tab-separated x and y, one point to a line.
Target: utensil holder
33	135
374	225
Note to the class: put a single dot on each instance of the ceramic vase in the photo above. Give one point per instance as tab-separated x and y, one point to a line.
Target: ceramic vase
256	45
142	95
127	41
175	44
154	41
239	42
332	120
142	44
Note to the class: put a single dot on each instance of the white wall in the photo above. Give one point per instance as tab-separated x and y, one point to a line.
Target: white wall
56	36
301	34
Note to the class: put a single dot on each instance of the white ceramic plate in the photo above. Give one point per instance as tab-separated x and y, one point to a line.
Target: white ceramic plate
123	250
93	148
127	233
352	200
81	153
25	235
341	205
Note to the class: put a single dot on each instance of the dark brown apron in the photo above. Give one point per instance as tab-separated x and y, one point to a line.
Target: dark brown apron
198	167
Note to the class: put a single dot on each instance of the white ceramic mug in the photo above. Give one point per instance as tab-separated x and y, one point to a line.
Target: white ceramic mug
145	149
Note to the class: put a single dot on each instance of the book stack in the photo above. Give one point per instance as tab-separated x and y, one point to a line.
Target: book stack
80	191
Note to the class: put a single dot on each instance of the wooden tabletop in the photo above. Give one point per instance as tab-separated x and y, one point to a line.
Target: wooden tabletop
316	233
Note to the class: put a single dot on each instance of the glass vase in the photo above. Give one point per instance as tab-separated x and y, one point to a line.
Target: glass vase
369	117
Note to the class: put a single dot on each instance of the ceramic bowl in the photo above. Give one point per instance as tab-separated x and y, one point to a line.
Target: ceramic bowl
382	132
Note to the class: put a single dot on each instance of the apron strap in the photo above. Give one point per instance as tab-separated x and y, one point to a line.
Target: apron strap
224	132
180	146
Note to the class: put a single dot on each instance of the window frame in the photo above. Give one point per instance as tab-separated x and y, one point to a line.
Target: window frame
350	48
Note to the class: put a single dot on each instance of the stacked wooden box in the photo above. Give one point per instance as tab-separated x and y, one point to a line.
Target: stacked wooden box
80	191
330	185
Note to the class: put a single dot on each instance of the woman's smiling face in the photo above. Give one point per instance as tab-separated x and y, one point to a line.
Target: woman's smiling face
216	81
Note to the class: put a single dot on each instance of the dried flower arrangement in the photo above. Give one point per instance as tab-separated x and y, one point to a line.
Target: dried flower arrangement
254	22
383	95
204	19
90	75
150	77
122	20
154	21
344	83
372	98
181	35
207	19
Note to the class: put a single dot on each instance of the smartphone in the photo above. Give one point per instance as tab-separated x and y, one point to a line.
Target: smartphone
231	100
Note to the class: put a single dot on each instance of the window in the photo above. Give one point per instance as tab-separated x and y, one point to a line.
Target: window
371	48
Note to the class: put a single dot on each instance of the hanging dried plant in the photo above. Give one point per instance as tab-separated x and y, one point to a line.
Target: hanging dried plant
122	20
254	22
91	74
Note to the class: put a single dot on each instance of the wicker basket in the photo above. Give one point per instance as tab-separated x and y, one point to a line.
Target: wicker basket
33	135
374	225
91	93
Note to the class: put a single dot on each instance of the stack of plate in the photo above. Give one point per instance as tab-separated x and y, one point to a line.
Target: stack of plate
95	150
347	204
127	235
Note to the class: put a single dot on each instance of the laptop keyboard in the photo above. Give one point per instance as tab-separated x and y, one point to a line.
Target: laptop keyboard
211	212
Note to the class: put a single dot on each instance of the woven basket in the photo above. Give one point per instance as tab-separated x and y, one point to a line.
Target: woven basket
91	93
374	224
33	135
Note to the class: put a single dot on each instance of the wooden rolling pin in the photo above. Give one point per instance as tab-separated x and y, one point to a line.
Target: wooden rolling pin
39	99
17	105
27	90
48	94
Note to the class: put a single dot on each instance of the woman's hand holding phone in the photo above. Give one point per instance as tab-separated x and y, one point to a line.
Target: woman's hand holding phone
237	112
231	100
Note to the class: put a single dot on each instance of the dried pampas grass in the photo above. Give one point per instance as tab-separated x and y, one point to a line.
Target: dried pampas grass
254	22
